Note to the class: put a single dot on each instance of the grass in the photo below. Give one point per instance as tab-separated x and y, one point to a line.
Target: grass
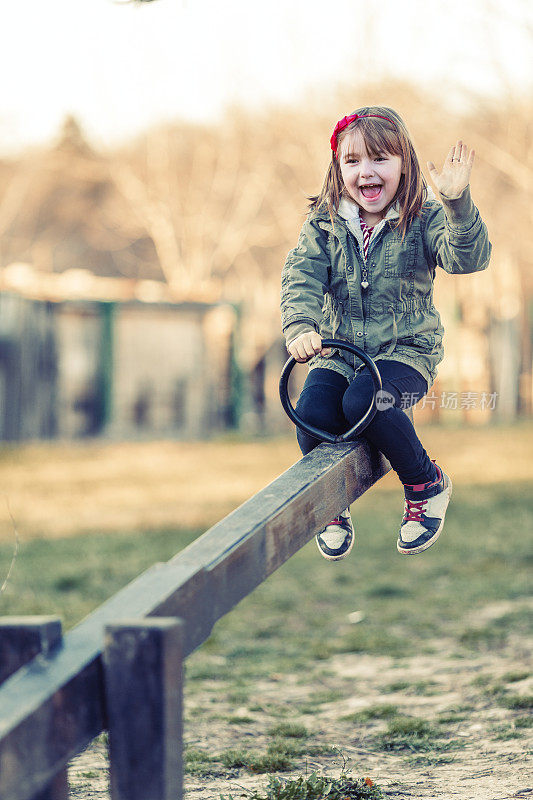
416	687
524	722
407	733
317	787
199	762
57	490
290	730
287	744
516	676
432	760
517	702
237	697
484	638
506	732
415	735
375	712
70	577
272	761
481	680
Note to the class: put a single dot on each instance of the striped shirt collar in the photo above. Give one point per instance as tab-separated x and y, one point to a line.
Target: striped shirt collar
367	234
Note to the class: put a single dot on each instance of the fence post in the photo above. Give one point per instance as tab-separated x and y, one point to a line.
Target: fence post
143	675
21	639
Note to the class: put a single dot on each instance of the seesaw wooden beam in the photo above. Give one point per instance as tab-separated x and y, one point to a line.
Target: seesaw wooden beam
54	706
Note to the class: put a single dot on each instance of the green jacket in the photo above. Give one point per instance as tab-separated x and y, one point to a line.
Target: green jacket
394	317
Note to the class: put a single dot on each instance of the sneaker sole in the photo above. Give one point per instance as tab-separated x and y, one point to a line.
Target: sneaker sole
414	550
335	558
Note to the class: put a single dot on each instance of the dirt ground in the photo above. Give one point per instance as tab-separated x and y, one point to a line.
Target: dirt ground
484	768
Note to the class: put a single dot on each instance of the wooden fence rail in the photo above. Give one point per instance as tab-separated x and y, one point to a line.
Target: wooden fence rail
72	689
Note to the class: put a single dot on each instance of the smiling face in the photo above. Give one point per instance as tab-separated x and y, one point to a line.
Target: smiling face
371	179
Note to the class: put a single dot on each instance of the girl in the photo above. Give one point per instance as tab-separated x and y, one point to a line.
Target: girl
363	271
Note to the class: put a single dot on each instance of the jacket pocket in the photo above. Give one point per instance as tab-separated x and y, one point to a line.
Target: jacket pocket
399	257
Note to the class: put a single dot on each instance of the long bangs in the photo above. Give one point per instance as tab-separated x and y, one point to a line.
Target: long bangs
378	136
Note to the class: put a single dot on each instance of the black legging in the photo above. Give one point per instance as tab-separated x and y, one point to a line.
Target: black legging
329	402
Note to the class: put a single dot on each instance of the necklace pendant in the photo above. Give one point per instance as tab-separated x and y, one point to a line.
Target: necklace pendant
365	284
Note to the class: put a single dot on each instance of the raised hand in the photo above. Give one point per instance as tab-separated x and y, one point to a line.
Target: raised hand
455	175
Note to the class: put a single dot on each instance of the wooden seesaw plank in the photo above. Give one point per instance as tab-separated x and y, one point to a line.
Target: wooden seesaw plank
53	707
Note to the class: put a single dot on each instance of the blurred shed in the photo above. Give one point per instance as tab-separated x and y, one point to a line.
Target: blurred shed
131	369
92	342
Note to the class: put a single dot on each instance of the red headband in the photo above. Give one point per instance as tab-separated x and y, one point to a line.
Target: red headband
345	121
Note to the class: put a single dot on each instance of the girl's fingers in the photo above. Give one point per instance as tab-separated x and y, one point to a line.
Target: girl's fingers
431	167
305	350
296	350
306	346
297	353
471	158
315	344
458	154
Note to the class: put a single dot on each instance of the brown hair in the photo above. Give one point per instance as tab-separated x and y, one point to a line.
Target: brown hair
380	135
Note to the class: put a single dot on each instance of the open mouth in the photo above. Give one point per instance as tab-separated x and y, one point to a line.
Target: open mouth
371	190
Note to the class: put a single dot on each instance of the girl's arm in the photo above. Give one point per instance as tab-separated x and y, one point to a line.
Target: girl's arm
456	236
304	282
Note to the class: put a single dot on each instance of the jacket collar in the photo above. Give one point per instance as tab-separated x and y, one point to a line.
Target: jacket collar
349	210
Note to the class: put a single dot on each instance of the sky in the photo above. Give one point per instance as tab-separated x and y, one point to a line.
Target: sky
121	67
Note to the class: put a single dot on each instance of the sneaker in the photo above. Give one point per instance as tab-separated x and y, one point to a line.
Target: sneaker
425	509
337	538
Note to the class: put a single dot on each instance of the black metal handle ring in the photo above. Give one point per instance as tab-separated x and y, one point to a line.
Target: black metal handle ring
324	436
